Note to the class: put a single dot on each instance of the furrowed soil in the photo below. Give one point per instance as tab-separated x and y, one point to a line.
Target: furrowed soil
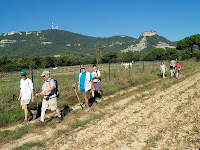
164	116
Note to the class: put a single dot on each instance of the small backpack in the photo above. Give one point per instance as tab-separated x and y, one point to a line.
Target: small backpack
56	88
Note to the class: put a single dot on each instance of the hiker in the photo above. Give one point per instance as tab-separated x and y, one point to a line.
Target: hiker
172	68
84	81
178	69
26	94
97	80
163	69
50	99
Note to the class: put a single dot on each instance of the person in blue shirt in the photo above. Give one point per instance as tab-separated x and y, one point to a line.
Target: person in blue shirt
85	83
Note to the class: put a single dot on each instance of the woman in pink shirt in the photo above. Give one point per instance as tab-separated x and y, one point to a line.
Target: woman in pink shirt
178	69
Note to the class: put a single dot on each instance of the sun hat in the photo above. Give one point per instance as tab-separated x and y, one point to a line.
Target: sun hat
23	73
44	73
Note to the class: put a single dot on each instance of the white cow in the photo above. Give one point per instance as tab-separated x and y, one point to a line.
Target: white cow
126	65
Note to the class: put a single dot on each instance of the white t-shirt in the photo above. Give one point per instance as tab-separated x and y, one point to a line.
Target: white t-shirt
26	88
96	73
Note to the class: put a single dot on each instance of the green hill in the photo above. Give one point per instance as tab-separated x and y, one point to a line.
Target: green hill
59	42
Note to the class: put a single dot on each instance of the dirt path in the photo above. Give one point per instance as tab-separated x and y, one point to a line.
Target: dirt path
168	119
164	119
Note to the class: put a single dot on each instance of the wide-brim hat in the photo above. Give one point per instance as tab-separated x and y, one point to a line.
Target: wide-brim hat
44	73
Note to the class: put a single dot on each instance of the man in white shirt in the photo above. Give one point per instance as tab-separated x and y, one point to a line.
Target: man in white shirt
97	79
26	94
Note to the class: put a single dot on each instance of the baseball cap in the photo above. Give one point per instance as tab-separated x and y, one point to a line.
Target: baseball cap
82	67
45	72
23	73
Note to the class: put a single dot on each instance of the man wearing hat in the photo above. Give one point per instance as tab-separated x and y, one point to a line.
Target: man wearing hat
84	81
50	99
26	94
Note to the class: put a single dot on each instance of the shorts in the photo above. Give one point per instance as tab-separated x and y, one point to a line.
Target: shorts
49	102
162	71
178	71
172	70
84	93
97	86
25	102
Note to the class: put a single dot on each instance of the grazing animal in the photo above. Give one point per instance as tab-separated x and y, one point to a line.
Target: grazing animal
126	65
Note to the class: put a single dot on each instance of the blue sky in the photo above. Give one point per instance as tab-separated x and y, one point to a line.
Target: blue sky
172	19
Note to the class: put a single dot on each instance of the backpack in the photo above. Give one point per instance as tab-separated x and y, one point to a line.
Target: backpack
97	74
56	88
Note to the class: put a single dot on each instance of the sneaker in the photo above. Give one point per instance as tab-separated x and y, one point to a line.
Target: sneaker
87	109
59	120
40	123
25	122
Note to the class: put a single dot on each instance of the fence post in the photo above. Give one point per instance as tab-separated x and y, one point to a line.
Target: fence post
109	70
143	65
32	73
129	68
153	64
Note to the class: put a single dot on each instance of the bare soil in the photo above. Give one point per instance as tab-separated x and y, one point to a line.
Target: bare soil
157	118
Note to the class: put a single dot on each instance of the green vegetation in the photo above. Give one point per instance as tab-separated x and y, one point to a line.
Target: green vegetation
31	145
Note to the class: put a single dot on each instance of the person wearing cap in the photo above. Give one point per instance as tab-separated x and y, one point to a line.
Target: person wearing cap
26	94
84	82
97	79
50	99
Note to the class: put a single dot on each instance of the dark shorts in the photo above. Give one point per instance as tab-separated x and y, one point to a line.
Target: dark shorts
178	71
84	93
97	86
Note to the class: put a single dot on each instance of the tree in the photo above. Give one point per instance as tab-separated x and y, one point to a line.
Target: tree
99	48
172	53
109	56
157	54
188	43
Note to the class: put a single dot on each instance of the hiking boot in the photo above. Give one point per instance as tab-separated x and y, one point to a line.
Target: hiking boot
59	120
40	123
87	109
25	122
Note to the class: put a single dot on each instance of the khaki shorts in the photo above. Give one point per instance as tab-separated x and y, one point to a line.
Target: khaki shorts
49	102
84	93
25	102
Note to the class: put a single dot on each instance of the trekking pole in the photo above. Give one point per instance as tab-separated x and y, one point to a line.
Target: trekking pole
78	98
37	109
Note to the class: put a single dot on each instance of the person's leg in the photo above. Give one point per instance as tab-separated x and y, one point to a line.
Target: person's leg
42	115
86	100
25	112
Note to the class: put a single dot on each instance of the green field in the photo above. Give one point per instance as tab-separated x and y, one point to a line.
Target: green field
114	78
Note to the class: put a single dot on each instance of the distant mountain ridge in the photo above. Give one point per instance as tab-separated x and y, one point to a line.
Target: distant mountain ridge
59	42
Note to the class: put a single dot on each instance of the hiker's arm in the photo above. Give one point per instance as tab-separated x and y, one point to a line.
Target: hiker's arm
20	95
32	99
45	92
77	82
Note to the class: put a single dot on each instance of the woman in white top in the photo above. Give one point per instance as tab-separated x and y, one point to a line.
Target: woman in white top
162	69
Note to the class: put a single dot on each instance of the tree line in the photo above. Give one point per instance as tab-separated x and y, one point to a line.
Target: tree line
186	48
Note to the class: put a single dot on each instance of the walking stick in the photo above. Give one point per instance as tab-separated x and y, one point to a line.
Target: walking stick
78	98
